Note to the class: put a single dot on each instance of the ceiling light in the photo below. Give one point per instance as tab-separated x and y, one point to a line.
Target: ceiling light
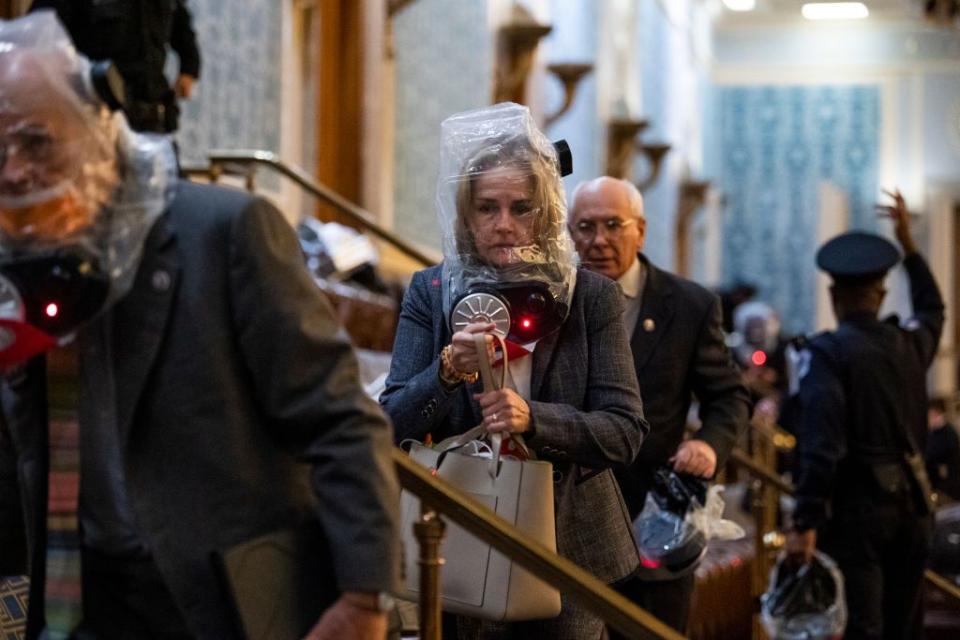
834	10
740	5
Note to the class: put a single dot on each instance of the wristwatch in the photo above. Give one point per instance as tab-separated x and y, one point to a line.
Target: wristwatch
381	601
385	602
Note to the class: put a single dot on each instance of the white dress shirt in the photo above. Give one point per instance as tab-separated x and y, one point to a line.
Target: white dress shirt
519	371
631	284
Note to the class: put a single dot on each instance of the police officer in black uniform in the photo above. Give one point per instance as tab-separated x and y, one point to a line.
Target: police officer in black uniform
134	34
861	497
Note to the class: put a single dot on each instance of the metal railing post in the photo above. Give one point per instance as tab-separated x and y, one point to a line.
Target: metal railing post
763	508
429	531
758	578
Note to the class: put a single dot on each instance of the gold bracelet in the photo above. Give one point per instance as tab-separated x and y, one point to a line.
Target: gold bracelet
446	363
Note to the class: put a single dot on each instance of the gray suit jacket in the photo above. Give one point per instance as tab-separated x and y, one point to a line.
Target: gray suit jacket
239	406
683	356
585	408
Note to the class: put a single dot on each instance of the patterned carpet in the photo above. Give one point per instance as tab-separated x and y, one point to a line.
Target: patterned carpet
13	607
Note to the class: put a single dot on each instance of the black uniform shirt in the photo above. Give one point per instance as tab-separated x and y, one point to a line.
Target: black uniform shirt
860	386
133	34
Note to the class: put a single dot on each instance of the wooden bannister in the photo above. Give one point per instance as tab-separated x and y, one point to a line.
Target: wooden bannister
363	219
569	578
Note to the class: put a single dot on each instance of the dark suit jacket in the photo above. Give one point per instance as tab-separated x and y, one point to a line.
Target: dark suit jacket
684	355
238	403
585	409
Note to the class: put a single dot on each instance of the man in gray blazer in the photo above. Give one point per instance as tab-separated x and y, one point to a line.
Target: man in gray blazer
219	402
678	352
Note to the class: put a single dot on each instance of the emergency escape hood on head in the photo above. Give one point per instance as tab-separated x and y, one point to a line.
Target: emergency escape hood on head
78	190
502	210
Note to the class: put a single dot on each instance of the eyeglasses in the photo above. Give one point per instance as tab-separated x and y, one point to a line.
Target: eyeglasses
612	228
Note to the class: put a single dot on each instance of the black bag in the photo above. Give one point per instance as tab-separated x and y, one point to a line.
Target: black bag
670	546
804	601
809	589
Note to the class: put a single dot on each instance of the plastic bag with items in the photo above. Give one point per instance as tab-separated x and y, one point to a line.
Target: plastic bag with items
334	250
679	516
503	213
337	253
804	602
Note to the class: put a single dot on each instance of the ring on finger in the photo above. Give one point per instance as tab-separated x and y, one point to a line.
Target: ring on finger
494	416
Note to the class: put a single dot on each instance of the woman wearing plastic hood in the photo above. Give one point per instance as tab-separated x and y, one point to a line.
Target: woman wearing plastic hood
571	390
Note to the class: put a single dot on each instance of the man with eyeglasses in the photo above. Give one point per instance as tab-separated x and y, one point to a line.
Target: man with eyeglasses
679	352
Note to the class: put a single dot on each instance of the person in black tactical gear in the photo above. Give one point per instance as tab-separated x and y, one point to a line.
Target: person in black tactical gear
862	491
134	34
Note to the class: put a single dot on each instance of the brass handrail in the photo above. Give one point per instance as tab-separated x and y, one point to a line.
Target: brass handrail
589	591
942	583
766	476
359	216
738	457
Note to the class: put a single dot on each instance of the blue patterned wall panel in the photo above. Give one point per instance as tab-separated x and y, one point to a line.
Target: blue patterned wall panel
237	104
776	146
443	65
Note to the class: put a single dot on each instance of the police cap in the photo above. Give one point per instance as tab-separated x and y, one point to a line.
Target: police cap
857	256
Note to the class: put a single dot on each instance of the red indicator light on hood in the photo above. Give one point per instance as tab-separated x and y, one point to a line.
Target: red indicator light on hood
52	310
526	323
759	358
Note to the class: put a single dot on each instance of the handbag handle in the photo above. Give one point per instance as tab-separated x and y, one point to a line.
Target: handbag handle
490	384
486	370
486	373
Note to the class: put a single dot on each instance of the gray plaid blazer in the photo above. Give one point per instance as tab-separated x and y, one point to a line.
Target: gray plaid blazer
585	408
